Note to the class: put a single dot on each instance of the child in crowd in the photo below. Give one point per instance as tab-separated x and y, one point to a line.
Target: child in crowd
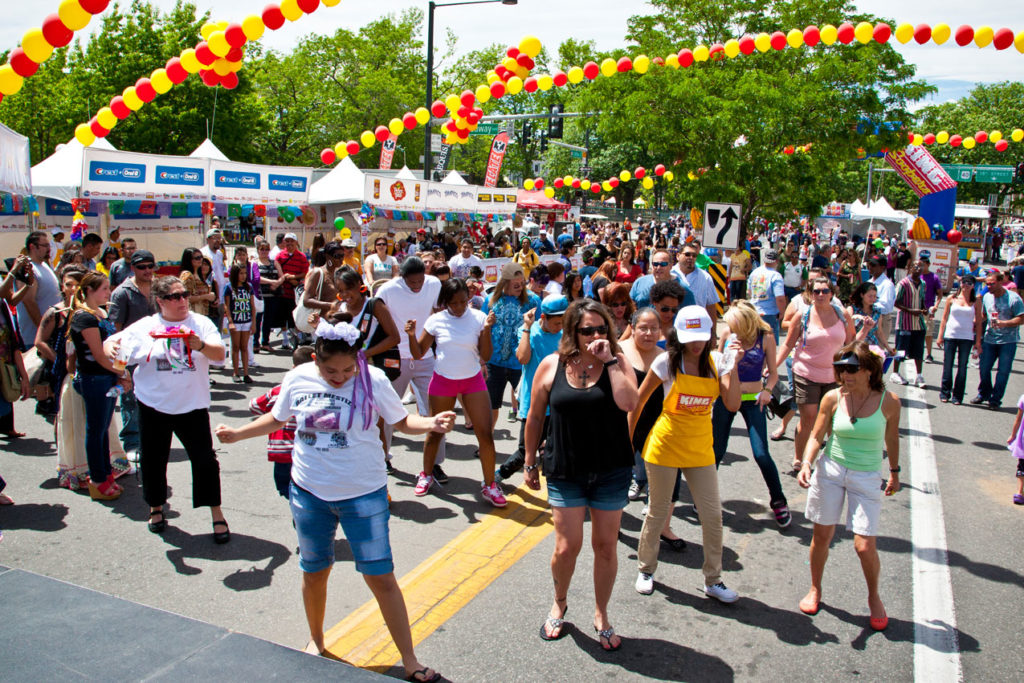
1016	445
279	443
238	306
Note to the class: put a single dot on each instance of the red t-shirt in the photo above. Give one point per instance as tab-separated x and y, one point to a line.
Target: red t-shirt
628	276
294	263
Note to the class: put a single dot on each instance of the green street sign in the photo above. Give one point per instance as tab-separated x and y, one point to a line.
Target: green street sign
993	174
576	153
487	128
960	172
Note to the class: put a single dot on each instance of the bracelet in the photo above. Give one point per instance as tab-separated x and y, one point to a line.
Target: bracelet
896	470
613	361
529	468
203	341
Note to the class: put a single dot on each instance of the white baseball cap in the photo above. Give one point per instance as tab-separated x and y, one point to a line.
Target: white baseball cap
692	324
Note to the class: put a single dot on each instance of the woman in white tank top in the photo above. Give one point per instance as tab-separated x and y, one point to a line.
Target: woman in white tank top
959	332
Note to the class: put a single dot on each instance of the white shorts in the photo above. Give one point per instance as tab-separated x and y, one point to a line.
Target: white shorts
831	483
243	327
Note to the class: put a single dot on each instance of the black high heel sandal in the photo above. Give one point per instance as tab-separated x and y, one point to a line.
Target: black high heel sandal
157	527
221	537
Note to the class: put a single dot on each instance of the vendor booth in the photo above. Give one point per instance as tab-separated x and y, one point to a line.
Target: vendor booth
15	191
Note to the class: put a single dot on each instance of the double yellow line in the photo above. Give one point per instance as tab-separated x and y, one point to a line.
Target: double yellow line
444	583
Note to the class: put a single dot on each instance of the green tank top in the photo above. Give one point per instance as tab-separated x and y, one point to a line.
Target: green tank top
857	445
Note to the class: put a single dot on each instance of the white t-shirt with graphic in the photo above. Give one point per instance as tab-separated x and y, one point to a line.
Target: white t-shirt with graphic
457	352
460	264
331	460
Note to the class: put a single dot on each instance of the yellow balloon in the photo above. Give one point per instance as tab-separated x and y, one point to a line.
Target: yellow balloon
253	27
451	139
531	46
567	180
732	48
452	102
1017	135
105	117
220	67
700	53
995	136
509	63
969	142
492	78
669	176
222	26
396	126
161	81
10	81
763	42
1018	42
673	60
545	81
367	139
585	184
522	72
864	32
829	34
918	139
35	46
330	3
207	29
189	61
624	176
942	137
290	9
575	74
982	37
647	183
549	192
218	44
528	184
904	32
514	85
234	67
642	63
483	93
73	16
131	98
795	38
461	123
341	150
608	67
940	33
691	175
606	186
422	116
84	134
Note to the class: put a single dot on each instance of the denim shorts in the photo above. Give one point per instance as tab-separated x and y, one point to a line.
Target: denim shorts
605	491
364	520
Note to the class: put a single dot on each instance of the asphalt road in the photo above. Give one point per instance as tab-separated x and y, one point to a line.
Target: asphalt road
252	584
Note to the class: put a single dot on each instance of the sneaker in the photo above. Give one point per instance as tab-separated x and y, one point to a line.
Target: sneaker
977	400
956	402
439	476
721	593
236	379
919	382
493	495
782	516
929	358
895	378
644	583
944	399
635	489
247	379
133	456
423	483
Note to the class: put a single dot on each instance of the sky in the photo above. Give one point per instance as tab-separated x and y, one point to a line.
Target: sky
953	69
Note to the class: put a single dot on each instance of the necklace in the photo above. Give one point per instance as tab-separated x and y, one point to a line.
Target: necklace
578	361
853	419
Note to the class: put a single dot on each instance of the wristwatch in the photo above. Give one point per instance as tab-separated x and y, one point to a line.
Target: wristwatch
529	468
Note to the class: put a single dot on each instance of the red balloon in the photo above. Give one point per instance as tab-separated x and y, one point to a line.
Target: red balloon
497	90
175	71
1002	39
778	40
955	140
717	52
272	17
463	111
1002	145
438	109
954	236
235	35
747	45
922	33
120	109
22	65
209	76
409	120
467	98
523	59
624	64
882	32
910	136
846	33
463	134
658	61
352	147
381	133
576	183
560	79
530	84
308	6
450	126
595	188
204	54
229	81
235	54
513	52
501	71
981	137
55	32
591	70
145	90
659	170
473	118
94	6
98	130
327	156
538	183
963	35
812	35
929	139
614	182
685	57
640	172
559	183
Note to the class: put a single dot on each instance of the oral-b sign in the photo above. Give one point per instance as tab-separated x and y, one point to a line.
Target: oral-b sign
287	183
178	175
237	179
109	171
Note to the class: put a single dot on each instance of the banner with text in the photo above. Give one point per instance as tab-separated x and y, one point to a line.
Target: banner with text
111	174
250	183
920	170
388	192
387	151
498	148
15	163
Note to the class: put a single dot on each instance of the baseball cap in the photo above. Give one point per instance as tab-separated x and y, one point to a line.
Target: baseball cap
692	324
56	231
291	236
771	255
211	232
556	305
142	256
511	270
349	243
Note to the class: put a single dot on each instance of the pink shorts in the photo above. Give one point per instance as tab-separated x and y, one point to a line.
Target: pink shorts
442	386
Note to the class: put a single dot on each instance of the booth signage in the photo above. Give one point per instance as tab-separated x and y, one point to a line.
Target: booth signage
111	172
287	183
237	179
177	175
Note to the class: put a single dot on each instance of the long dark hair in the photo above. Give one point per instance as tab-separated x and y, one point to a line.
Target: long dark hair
675	355
857	298
186	260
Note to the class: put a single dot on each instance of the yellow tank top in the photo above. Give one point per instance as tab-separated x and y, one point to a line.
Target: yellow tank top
682	435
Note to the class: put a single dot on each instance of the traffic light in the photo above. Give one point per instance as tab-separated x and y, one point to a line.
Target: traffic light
555	122
1018	175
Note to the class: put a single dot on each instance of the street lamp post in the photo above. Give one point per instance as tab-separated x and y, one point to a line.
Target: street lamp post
430	67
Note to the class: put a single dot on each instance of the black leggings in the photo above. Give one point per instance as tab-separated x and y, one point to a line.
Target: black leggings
193	431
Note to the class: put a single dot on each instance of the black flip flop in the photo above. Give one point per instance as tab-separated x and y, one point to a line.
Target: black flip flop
607	635
552	623
423	672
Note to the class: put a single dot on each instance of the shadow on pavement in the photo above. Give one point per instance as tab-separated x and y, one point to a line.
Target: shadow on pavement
34	517
899	630
982	570
655	658
241	547
30	446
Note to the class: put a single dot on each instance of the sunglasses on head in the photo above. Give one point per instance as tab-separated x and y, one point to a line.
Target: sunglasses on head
175	296
590	331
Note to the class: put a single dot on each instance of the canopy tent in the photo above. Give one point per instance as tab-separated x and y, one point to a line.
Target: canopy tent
877	215
59	175
535	199
405	174
454	178
972	212
208	150
15	174
343	184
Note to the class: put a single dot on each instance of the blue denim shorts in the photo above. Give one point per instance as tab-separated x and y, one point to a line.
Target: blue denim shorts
605	491
363	519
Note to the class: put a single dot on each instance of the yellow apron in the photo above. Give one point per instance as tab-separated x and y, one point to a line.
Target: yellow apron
682	436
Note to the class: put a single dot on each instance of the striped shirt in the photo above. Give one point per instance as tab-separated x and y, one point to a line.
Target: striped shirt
909	295
280	442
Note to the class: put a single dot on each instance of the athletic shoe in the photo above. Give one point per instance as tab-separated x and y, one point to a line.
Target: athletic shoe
635	490
132	456
423	483
919	382
977	400
493	495
497	476
644	583
956	402
721	593
439	476
896	379
782	516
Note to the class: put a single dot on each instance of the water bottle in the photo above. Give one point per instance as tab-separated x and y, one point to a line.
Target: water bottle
115	391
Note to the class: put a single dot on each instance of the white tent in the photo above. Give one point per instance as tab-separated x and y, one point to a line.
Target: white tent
879	214
405	174
208	150
343	184
60	175
453	178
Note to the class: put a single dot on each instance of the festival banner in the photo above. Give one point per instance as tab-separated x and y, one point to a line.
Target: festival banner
387	152
234	182
112	174
498	148
394	193
920	170
447	197
442	158
15	163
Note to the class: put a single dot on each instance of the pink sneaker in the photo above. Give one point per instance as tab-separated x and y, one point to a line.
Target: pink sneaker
423	483
494	495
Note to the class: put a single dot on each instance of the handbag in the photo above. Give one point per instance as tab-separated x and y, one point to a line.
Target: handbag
389	361
10	382
301	313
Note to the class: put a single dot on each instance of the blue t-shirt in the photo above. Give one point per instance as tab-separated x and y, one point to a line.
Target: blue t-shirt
542	344
763	286
640	292
508	320
1009	305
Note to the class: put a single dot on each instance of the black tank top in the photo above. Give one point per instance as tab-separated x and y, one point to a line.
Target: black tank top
589	434
649	415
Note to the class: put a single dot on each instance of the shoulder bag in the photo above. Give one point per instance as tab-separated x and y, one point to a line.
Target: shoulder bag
301	313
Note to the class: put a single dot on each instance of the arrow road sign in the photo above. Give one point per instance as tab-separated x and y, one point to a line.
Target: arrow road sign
722	225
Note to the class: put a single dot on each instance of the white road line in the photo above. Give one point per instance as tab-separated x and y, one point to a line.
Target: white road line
936	646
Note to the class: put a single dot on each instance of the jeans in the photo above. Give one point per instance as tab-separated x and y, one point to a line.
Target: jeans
993	395
773	320
129	434
282	477
792	292
757	428
99	409
960	350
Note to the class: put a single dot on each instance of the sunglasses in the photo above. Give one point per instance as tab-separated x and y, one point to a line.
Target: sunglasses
197	257
619	304
589	331
381	244
668	309
175	296
144	266
821	291
848	369
659	264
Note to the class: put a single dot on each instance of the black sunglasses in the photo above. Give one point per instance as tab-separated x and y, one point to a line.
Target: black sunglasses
659	264
144	266
822	291
848	369
175	296
590	331
668	309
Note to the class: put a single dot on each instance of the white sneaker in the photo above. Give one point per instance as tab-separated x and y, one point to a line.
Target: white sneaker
721	593
919	382
132	456
644	584
896	379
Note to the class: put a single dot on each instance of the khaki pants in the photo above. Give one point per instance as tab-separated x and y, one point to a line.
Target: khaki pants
703	485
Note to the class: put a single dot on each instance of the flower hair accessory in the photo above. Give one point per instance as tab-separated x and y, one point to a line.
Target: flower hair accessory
343	331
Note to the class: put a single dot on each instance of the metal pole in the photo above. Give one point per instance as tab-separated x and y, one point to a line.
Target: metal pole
871	170
430	89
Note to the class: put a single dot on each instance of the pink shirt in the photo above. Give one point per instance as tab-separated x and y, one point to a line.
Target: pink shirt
813	359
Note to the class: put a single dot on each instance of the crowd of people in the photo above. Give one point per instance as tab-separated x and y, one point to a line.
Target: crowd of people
612	346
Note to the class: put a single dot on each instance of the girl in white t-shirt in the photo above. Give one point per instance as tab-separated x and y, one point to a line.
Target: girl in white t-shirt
338	473
463	336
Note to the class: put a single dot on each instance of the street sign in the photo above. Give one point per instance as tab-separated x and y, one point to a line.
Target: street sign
435	142
722	225
576	153
960	172
993	174
487	128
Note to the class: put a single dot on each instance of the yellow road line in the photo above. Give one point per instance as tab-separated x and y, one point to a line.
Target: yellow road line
445	583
